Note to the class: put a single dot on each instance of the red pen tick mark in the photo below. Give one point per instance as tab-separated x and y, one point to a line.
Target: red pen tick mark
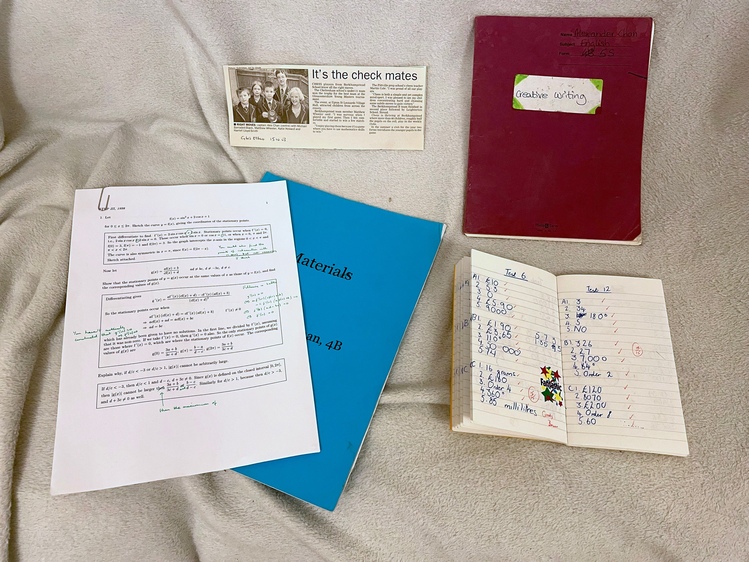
619	352
616	330
622	361
625	386
628	395
628	407
616	342
632	416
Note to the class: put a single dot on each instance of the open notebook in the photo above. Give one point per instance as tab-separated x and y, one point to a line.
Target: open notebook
584	360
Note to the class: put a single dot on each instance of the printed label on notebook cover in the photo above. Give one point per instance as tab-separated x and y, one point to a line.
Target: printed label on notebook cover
557	94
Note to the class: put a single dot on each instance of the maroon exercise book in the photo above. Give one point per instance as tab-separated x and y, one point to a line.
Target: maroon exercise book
557	116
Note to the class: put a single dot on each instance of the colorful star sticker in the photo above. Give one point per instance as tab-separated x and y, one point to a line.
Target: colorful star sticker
551	387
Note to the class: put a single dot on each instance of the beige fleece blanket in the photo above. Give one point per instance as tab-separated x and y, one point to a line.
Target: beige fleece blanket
115	93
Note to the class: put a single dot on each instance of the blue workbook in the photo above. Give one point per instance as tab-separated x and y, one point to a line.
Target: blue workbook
361	271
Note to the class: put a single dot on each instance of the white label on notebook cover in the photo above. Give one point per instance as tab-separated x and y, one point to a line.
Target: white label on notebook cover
553	93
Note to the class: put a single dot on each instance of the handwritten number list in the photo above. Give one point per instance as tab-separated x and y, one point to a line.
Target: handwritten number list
620	375
515	345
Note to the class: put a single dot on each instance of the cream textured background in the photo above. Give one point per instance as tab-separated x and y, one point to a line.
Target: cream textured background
102	93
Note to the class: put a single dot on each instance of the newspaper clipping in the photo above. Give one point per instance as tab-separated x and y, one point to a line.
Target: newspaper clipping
294	106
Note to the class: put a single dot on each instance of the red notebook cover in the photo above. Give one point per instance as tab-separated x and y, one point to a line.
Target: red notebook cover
551	174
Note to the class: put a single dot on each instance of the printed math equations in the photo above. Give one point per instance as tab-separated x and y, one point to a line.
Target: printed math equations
184	349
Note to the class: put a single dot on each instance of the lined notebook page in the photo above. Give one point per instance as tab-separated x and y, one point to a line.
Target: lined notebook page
516	384
619	368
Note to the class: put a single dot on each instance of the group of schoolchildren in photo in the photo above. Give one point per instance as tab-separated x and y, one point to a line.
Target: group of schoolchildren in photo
264	103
